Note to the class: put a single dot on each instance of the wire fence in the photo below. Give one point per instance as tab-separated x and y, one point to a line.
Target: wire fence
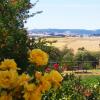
72	61
77	65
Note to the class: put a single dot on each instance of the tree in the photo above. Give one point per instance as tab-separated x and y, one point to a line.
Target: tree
87	65
84	57
96	55
14	40
67	57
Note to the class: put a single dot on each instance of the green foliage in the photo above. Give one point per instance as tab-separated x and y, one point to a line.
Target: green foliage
68	57
14	40
96	55
90	81
87	65
76	88
84	57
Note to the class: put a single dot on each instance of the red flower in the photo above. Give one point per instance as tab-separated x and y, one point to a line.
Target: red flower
56	66
47	69
87	93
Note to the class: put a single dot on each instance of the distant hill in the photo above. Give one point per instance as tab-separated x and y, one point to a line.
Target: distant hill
64	32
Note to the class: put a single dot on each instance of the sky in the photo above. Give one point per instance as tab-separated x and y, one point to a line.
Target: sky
65	14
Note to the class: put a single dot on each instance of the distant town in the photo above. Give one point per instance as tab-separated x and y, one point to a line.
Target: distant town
64	32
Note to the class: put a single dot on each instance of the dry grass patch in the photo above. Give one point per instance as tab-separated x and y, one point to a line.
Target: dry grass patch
89	43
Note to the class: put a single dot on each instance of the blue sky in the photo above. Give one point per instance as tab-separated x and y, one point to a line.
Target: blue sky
66	14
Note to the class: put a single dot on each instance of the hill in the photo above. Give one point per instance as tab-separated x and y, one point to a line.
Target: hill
65	32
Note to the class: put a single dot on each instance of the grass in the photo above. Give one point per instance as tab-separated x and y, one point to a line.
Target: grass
90	80
90	44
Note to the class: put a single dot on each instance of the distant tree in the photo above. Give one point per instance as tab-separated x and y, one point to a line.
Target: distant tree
82	48
67	57
96	55
84	56
87	65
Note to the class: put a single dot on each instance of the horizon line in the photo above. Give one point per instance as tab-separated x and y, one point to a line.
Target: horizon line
65	28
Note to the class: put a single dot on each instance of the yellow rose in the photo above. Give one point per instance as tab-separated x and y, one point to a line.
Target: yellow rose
22	79
32	96
55	75
55	78
36	96
5	96
8	79
30	87
38	57
45	86
32	92
46	77
38	75
8	64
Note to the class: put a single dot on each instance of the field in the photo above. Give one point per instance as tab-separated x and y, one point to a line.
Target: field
89	43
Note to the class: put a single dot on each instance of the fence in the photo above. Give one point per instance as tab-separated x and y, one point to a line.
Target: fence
78	64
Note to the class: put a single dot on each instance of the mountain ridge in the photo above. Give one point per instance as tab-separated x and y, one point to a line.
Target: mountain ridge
63	32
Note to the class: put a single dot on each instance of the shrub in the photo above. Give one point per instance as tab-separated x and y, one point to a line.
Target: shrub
14	40
28	86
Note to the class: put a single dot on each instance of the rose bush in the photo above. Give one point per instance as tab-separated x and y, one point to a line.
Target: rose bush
15	86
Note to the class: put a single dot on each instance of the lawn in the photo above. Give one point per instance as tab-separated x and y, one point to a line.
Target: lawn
89	78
